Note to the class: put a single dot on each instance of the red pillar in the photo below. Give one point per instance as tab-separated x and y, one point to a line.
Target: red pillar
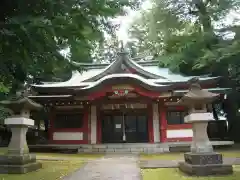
51	124
150	124
163	123
99	127
89	123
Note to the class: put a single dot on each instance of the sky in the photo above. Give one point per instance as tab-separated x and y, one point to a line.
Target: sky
125	21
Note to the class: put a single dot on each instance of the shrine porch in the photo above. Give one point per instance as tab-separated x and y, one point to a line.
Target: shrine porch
149	148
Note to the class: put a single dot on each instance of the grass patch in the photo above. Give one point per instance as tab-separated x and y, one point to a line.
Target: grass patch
230	153
3	150
175	155
162	156
175	174
62	155
52	170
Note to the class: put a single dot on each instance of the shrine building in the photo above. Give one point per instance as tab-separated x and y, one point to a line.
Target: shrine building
121	102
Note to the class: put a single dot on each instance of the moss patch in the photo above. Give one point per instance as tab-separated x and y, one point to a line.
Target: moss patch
61	155
175	174
52	170
162	156
3	150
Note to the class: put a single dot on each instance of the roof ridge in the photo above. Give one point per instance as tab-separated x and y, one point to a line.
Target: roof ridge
103	65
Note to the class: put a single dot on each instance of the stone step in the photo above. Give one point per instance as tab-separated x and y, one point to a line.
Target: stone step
179	149
123	150
120	146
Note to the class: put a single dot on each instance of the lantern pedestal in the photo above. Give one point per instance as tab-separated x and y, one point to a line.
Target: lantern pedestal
202	160
204	164
200	140
18	160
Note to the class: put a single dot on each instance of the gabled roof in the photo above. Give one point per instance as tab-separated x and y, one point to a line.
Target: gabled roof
148	72
126	78
117	66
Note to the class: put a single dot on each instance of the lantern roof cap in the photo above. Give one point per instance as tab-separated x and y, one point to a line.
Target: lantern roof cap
197	95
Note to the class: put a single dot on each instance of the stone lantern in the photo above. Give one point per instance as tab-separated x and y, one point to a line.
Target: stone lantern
17	160
202	160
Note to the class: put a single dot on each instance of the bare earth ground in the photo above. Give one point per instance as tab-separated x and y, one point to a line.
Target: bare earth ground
110	167
127	167
116	167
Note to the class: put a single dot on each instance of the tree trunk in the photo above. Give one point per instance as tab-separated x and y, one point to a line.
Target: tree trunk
231	109
215	115
204	16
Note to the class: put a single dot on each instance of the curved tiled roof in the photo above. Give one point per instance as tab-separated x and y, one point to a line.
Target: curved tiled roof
148	72
125	76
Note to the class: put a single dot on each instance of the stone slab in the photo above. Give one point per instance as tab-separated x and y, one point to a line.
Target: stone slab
158	150
115	146
205	170
125	150
99	146
136	149
87	150
20	169
109	150
17	159
111	167
100	150
18	164
80	150
179	149
203	159
159	163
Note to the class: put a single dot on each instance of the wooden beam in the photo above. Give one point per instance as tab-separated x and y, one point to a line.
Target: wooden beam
122	101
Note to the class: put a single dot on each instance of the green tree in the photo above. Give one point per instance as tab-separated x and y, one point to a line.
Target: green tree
33	33
189	37
107	51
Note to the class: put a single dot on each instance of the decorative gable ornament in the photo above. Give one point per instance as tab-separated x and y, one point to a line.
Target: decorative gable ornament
122	92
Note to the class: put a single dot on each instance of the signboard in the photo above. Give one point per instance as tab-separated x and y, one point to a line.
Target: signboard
118	126
122	86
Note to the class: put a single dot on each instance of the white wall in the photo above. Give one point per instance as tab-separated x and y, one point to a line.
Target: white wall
156	129
93	120
68	136
179	133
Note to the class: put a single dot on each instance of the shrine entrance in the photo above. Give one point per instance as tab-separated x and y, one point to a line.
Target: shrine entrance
128	127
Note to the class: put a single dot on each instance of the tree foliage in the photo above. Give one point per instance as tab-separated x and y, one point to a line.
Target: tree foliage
33	33
188	36
106	52
192	37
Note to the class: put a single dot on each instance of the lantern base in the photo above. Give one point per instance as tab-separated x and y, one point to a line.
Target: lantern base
204	164
18	164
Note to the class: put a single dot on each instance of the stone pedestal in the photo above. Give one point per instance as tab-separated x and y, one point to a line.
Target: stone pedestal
204	164
200	141
202	161
18	160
